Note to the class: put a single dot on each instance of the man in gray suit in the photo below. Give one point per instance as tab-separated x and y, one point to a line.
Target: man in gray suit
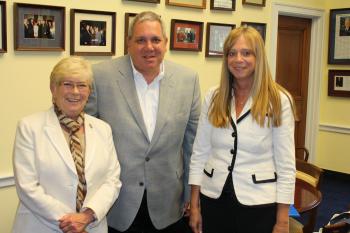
153	107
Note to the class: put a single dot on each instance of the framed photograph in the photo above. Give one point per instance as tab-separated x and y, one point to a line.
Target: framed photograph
3	34
150	1
201	4
339	36
129	17
254	2
39	27
92	33
223	5
186	35
260	27
339	83
215	38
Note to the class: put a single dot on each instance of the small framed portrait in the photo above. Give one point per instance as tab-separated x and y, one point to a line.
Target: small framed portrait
339	83
201	4
129	17
92	33
3	33
215	38
223	5
39	27
150	1
260	27
254	2
186	35
339	36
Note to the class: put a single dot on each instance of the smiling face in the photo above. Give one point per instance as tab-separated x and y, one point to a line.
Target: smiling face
241	60
147	47
71	95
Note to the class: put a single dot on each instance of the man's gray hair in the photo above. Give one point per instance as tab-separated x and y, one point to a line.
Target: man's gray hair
146	16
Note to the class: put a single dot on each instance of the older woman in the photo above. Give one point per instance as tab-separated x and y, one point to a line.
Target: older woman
243	168
65	163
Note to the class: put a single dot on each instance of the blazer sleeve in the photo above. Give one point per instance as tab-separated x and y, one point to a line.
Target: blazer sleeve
30	192
284	153
190	134
202	144
108	192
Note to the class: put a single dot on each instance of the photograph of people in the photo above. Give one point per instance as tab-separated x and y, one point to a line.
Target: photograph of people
153	107
65	163
345	26
242	170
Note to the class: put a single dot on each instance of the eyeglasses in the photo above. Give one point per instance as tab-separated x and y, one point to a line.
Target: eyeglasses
72	85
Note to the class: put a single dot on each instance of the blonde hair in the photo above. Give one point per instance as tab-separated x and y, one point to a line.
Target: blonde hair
71	67
265	92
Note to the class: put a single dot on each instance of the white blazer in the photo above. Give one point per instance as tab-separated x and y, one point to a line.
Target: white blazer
46	177
264	168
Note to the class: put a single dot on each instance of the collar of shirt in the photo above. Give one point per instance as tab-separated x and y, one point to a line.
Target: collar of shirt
148	96
138	75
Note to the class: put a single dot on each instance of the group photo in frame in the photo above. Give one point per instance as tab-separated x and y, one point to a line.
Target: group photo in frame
92	33
260	27
186	35
200	4
39	27
339	83
215	38
3	32
339	36
129	17
254	2
223	5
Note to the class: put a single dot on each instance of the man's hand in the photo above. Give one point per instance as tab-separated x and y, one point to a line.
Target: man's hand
186	209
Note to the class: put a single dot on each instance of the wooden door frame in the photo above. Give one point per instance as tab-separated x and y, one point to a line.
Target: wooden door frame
316	64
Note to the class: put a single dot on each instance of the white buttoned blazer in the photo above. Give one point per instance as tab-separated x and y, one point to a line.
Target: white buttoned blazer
264	168
46	177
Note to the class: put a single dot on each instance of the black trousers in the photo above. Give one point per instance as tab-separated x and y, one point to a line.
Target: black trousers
143	224
227	215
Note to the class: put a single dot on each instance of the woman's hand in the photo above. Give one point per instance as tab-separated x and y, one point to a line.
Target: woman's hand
282	220
195	211
76	222
196	220
281	227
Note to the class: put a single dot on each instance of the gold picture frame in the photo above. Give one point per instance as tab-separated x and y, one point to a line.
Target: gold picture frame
200	4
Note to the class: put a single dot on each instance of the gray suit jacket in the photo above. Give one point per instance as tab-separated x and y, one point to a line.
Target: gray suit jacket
161	165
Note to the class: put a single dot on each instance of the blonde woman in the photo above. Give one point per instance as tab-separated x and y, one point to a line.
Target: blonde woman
65	163
242	169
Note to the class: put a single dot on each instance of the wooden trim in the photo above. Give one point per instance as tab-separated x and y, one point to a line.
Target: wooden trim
7	181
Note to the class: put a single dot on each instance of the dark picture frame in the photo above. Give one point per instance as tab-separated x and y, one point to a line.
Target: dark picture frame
149	1
39	27
223	5
260	27
339	83
128	19
216	34
3	30
92	33
339	36
186	35
200	4
261	3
